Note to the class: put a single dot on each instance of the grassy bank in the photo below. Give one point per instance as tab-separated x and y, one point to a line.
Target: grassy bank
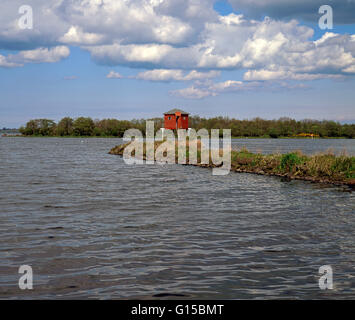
322	167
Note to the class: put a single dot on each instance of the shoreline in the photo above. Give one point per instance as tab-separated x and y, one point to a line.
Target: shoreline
322	168
235	138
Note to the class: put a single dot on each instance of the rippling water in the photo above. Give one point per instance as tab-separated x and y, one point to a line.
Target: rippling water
92	227
307	146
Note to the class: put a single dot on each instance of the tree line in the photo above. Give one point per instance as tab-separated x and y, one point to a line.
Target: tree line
257	127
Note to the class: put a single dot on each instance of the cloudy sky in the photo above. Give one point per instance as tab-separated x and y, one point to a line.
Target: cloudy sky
138	58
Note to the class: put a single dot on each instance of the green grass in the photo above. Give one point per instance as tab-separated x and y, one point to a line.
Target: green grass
288	161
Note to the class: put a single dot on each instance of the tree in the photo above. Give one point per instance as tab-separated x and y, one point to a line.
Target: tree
240	128
31	128
274	133
47	127
65	127
348	130
108	127
83	126
44	127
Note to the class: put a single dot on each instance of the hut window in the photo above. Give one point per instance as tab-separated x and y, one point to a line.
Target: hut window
169	118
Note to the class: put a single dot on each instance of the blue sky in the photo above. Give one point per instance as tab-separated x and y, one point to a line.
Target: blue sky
191	58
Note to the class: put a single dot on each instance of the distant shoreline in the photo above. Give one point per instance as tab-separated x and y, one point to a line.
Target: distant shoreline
255	128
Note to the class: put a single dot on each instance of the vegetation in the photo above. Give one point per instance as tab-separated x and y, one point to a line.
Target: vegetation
288	161
322	167
84	127
283	127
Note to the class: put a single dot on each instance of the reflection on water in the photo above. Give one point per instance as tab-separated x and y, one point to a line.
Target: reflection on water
93	227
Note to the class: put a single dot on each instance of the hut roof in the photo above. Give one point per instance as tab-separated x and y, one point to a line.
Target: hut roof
173	111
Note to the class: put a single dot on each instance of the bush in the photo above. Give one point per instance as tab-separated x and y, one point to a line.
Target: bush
289	160
345	165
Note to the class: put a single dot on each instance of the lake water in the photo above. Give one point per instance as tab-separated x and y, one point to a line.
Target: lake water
93	227
307	146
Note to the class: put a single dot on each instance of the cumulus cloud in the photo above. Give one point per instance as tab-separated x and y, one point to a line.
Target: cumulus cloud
267	49
5	63
48	26
208	88
40	55
168	75
114	75
193	93
300	9
92	22
164	75
204	89
75	36
176	40
140	21
350	70
280	74
86	22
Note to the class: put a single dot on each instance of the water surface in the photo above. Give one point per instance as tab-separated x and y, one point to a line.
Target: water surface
307	146
92	227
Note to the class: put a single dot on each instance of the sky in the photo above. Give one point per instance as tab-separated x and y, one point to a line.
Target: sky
132	59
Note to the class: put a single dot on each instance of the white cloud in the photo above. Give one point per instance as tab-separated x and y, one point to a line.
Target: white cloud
208	88
75	35
48	26
40	55
167	75
350	69
161	75
114	75
139	21
267	49
7	64
325	37
265	75
131	55
196	75
193	93
178	40
202	89
175	75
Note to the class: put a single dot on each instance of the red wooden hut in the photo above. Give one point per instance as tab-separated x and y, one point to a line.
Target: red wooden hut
176	119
